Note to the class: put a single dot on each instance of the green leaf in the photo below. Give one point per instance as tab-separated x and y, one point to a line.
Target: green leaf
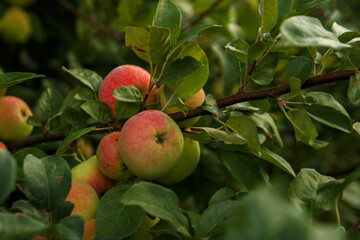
356	127
330	60
222	194
208	135
212	217
295	89
112	213
98	110
353	92
126	110
50	102
256	51
284	7
179	69
71	227
62	211
243	169
300	67
304	31
20	156
277	160
246	128
243	106
240	48
263	77
344	34
194	31
192	83
168	15
269	13
305	131
47	181
16	227
309	6
151	46
326	110
89	78
7	174
12	78
127	94
29	210
72	137
159	202
264	121
210	104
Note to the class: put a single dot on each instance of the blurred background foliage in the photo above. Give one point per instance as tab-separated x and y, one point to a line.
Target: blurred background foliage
42	36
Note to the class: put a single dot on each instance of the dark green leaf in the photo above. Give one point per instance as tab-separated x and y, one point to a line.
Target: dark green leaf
12	78
89	78
126	110
240	48
264	121
20	156
356	127
300	67
47	181
243	106
222	194
284	7
246	128
243	169
263	77
330	60
16	227
168	15
112	213
194	31
62	211
210	104
305	131
344	34
179	69
304	31
353	92
28	209
98	110
269	13
277	160
72	137
309	6
208	135
71	227
256	51
7	174
158	201
50	102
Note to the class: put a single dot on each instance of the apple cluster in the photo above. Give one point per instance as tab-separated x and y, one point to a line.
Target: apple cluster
150	146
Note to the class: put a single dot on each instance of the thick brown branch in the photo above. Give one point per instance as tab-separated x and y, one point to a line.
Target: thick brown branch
222	102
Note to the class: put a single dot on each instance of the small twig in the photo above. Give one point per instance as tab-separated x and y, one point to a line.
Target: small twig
354	227
202	16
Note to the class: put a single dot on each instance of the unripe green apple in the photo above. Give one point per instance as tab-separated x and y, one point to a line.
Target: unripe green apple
88	171
194	101
89	230
15	26
150	144
84	198
186	164
14	113
109	160
124	75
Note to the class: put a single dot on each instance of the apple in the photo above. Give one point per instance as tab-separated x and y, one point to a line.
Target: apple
109	160
150	144
88	171
14	113
124	75
3	146
186	164
84	198
15	26
194	101
89	230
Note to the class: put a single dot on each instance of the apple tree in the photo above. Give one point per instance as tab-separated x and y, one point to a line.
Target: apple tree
179	119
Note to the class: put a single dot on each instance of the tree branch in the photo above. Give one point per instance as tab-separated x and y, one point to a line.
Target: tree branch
241	96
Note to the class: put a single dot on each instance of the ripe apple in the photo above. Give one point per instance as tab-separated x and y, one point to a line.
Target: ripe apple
88	171
89	230
85	199
109	160
14	113
150	144
15	26
186	164
124	75
2	146
194	101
